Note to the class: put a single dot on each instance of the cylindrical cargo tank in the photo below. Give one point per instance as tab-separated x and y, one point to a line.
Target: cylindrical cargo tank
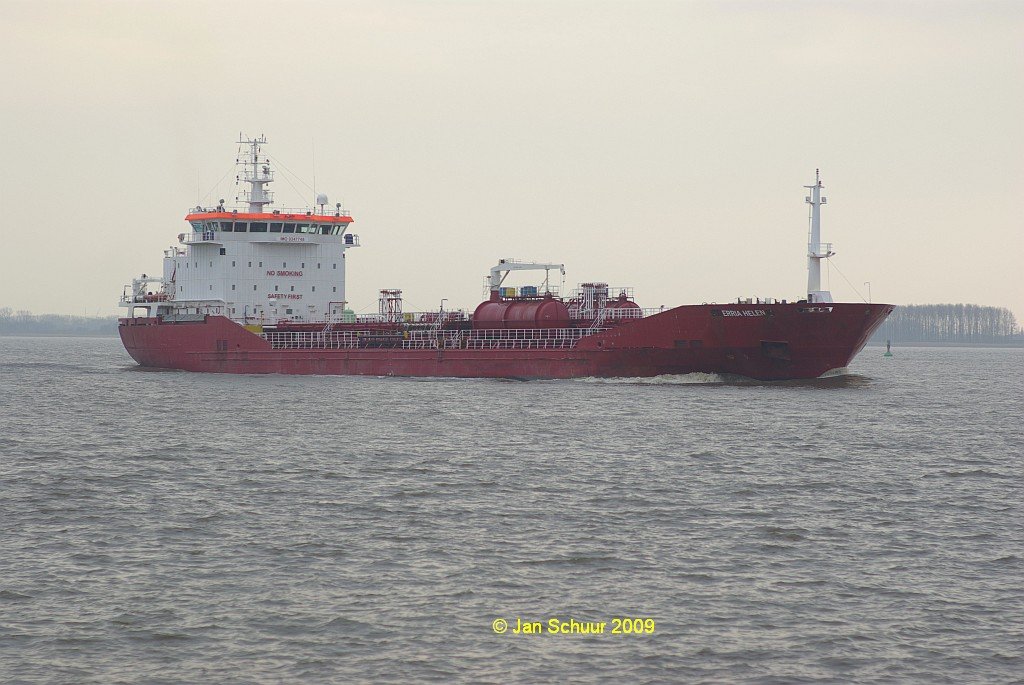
621	302
546	313
622	308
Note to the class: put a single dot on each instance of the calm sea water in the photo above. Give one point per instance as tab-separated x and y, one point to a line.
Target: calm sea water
171	527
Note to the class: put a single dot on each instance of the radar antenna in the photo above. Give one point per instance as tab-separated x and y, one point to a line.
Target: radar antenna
255	171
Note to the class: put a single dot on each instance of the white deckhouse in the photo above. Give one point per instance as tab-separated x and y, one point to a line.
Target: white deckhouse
250	264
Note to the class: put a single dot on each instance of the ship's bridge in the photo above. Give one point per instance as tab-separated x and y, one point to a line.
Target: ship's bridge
282	222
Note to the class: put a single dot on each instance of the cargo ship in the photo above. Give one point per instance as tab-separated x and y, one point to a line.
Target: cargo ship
250	289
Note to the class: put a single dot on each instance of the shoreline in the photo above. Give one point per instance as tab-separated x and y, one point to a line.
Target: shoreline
921	343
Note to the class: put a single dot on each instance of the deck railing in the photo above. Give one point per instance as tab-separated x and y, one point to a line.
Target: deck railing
486	339
317	340
615	313
290	212
198	237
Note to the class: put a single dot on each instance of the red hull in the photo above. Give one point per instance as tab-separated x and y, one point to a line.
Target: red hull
766	342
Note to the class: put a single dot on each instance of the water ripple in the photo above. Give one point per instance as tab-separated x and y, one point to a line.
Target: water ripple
175	527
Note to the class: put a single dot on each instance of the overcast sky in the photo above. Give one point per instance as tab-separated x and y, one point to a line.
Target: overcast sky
659	145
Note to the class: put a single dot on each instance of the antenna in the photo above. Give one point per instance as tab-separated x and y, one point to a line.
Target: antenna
256	176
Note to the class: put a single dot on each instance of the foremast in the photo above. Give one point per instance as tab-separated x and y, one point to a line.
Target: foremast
816	250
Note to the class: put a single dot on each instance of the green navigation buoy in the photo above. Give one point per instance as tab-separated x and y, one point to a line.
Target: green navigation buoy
888	348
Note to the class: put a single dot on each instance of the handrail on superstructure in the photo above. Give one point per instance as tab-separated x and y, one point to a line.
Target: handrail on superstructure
288	213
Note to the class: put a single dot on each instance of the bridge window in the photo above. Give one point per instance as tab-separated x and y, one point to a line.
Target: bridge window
275	227
289	228
302	228
325	230
241	226
258	227
198	226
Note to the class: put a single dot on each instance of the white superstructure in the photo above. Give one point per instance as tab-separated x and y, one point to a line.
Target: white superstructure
252	265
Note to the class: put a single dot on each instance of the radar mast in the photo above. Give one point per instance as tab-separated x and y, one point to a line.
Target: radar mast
255	172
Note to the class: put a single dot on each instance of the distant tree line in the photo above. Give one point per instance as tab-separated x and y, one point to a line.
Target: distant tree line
950	323
23	322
